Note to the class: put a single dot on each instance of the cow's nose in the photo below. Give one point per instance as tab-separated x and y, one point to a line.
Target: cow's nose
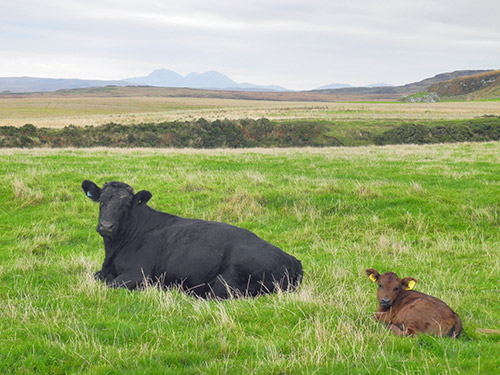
386	302
105	227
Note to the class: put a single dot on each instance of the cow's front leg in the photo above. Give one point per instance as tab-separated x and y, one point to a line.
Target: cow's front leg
130	280
124	282
105	274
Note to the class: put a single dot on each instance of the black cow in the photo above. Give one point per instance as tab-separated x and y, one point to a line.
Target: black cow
204	258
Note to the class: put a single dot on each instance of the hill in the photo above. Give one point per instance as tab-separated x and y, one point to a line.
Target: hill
178	92
428	82
473	87
395	92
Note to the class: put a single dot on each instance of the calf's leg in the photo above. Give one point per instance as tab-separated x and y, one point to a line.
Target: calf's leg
398	331
406	331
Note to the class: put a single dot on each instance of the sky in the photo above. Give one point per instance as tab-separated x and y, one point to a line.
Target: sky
298	45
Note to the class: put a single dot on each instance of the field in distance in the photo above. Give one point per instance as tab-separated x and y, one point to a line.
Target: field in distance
431	212
129	105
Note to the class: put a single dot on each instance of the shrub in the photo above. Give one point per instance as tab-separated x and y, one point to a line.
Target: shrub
476	130
408	133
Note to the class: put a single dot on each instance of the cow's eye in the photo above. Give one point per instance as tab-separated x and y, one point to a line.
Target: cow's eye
396	288
380	286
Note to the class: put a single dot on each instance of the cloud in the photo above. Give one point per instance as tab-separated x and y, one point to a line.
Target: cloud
295	44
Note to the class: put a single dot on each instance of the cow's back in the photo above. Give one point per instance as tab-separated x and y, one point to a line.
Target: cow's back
206	254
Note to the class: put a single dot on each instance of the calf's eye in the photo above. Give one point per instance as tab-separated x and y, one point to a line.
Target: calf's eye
396	289
380	286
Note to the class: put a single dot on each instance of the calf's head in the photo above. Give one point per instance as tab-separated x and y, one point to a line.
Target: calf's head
116	202
390	286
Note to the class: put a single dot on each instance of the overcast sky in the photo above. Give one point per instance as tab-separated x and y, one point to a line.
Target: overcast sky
295	44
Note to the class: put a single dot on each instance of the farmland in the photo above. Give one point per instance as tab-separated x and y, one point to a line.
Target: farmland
80	108
431	212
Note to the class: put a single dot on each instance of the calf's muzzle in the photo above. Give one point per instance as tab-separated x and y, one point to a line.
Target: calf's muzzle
385	302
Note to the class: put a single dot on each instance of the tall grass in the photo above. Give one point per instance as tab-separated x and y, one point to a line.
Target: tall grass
431	212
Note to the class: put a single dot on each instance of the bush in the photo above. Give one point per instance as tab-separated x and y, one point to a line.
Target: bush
476	130
408	133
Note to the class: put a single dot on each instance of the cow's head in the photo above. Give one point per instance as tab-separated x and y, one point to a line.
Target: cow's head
389	286
116	201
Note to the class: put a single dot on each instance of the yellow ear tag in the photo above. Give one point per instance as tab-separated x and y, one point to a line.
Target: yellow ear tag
411	284
372	277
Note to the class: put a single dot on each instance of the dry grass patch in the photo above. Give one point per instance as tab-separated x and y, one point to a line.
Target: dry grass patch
240	206
25	193
255	178
367	190
489	214
415	189
193	182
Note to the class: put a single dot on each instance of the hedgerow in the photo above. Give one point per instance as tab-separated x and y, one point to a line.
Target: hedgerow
196	134
247	133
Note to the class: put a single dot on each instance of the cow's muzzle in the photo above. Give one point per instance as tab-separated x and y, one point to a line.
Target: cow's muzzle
105	228
385	303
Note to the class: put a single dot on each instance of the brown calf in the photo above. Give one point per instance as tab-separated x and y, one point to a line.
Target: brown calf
408	312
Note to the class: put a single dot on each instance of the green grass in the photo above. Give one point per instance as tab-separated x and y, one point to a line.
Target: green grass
431	212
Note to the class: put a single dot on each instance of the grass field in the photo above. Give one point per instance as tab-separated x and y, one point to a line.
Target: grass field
431	212
59	111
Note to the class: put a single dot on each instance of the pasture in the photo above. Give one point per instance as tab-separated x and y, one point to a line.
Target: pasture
431	212
54	110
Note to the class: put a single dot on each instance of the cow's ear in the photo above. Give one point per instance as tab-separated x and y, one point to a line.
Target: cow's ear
91	190
409	283
142	197
372	274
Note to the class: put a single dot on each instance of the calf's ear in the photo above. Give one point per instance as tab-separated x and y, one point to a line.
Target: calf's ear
142	197
372	274
409	283
91	190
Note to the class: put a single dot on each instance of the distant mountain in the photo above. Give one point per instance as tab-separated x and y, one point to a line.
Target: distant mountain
33	84
380	85
334	86
209	80
160	77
